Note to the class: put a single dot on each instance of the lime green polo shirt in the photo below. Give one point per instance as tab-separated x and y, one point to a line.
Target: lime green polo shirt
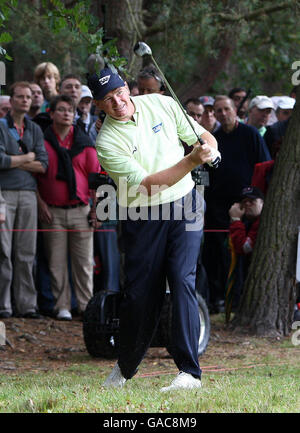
129	151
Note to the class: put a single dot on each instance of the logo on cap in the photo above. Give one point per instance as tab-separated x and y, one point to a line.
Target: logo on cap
251	192
247	190
104	80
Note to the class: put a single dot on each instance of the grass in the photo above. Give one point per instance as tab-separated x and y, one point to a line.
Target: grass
254	375
265	389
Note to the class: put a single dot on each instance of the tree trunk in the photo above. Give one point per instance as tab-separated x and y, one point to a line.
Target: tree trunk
208	72
268	299
124	22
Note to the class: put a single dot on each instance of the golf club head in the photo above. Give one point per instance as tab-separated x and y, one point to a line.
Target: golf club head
141	49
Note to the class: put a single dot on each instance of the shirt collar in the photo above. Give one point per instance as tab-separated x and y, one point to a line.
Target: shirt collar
11	123
87	120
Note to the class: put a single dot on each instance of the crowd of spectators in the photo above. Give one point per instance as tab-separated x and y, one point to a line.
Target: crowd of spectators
53	253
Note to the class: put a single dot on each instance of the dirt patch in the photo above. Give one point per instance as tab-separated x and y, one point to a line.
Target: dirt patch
48	344
44	344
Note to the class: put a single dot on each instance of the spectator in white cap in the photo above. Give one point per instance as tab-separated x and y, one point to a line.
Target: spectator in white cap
284	108
84	108
260	109
276	131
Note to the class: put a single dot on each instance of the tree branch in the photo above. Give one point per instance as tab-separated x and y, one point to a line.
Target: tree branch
161	27
254	14
251	16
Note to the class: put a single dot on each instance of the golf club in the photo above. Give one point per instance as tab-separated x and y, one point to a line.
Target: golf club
141	49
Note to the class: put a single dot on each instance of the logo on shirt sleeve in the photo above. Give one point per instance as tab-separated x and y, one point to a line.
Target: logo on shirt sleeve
157	128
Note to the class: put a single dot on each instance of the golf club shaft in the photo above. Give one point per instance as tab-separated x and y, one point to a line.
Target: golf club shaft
177	100
141	49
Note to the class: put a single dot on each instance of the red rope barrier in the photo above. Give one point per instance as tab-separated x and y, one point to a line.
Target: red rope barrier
216	231
56	230
88	230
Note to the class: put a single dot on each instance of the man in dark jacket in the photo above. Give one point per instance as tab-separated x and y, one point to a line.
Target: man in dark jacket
22	155
241	147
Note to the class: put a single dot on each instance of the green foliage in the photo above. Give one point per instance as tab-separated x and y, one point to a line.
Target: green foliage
78	19
268	55
5	38
190	36
264	46
83	27
58	34
4	54
111	56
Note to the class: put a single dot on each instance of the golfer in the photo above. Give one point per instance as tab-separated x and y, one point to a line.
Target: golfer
139	146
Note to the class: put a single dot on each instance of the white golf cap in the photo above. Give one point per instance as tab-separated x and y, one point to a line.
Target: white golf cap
85	92
261	102
286	103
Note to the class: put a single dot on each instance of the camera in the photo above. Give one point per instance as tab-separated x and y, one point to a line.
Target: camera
200	176
97	179
101	116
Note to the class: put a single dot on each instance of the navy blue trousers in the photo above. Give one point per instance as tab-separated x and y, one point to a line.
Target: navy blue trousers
106	245
156	250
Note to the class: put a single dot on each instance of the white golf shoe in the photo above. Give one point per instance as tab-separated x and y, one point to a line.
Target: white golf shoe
115	379
64	315
183	381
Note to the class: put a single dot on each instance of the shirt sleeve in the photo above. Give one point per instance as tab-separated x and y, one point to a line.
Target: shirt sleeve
243	242
5	160
2	204
263	151
261	175
119	164
92	163
39	147
93	132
